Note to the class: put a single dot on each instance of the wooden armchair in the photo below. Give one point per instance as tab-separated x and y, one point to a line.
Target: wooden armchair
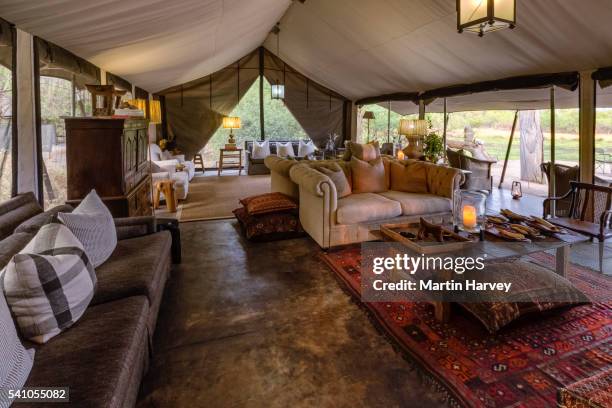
590	211
479	176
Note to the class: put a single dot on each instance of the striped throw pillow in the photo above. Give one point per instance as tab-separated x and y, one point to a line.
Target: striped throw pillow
15	361
49	284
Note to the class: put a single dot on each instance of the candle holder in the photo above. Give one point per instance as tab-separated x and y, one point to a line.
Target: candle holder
517	191
469	212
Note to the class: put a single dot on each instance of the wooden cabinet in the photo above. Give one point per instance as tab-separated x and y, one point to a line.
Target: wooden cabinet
110	156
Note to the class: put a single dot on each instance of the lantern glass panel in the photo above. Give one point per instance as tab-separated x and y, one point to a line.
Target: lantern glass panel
504	9
278	91
472	10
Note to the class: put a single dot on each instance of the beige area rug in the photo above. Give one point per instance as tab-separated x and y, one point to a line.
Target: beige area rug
215	197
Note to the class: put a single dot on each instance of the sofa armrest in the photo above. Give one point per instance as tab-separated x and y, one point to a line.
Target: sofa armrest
161	176
132	227
318	202
443	181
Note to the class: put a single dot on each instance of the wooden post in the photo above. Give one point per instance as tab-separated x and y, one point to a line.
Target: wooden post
503	175
552	180
261	95
587	106
73	96
445	119
421	109
388	122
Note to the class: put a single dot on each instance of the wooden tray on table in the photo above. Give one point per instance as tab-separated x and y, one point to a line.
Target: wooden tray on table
426	245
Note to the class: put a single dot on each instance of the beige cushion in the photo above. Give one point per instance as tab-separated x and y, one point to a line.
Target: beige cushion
337	176
368	177
418	204
366	207
409	176
363	151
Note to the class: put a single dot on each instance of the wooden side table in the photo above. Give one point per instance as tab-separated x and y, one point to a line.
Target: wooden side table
233	155
166	187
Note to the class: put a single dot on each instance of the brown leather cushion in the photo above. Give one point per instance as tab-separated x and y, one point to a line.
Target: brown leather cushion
409	177
97	356
534	290
136	267
368	177
337	176
268	203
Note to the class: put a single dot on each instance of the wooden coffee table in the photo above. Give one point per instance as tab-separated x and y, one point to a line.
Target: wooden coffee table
494	248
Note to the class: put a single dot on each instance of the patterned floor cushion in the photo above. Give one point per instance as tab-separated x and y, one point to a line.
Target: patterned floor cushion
270	226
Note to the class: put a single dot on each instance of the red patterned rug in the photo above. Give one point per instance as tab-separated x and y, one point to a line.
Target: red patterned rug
521	366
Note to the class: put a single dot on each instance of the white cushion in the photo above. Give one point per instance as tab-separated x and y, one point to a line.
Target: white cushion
49	284
260	150
94	227
15	361
305	149
419	204
154	152
366	207
284	149
166	155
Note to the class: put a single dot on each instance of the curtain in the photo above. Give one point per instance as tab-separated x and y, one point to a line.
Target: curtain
140	93
57	62
319	110
194	111
603	76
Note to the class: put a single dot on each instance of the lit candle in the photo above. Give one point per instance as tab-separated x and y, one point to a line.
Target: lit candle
469	217
400	155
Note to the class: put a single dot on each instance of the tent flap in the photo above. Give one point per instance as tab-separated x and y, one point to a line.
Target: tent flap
603	76
195	111
57	62
140	93
6	44
319	110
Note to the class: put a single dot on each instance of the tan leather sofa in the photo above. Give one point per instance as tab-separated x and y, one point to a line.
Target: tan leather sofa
331	221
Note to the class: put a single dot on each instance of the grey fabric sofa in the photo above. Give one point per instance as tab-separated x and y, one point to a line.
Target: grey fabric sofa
257	166
104	356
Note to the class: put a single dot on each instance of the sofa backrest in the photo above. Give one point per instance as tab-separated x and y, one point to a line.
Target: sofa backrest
17	210
155	152
248	145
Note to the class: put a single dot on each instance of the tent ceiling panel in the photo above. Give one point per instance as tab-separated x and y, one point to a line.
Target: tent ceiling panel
367	48
152	43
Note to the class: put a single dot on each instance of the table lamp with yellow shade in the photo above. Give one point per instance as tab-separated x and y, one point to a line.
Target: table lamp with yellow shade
414	130
231	123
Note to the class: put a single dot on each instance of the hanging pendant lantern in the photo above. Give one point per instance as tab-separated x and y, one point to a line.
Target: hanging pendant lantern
278	89
484	16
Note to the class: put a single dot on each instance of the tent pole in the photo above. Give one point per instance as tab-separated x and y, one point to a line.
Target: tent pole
73	97
552	179
445	126
503	175
388	122
262	135
421	109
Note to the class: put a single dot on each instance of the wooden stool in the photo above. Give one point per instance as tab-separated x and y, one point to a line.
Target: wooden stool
198	161
166	187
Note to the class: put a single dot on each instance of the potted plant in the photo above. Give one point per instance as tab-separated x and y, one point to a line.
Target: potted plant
433	147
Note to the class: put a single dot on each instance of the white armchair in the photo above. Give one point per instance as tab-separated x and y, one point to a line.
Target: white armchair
167	171
166	158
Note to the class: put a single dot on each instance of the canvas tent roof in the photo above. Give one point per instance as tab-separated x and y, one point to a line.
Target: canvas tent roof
358	48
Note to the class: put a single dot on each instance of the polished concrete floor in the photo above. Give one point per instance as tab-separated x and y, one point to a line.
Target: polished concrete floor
267	325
